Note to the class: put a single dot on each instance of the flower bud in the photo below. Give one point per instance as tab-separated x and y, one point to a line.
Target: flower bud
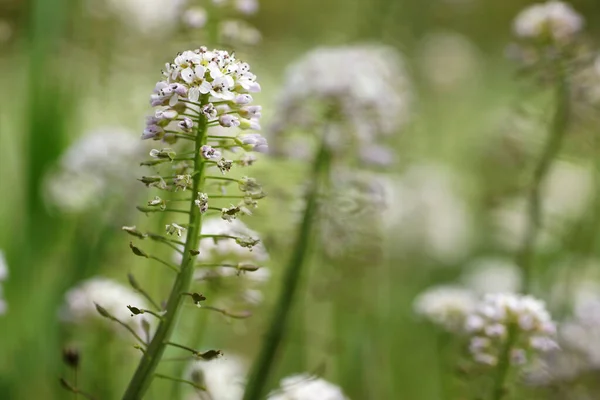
253	142
228	121
249	124
243	99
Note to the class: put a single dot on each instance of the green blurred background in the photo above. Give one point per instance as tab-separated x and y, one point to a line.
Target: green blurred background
65	71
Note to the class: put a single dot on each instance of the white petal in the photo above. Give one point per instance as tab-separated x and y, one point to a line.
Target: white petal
200	71
187	75
194	93
205	87
174	99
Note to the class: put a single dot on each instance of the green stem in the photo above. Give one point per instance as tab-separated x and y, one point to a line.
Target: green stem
145	371
551	149
289	286
504	364
174	379
525	255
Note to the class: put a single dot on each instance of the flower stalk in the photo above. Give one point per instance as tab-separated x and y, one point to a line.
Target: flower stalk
289	285
526	254
145	371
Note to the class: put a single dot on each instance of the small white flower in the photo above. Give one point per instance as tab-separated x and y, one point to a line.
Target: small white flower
209	111
253	142
80	304
186	124
447	306
554	19
500	312
195	17
306	387
229	121
174	229
210	153
202	202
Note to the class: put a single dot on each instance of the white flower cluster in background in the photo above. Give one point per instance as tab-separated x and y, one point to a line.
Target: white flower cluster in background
80	303
149	17
449	306
224	378
446	306
231	29
224	83
428	214
566	194
553	19
501	315
358	94
240	266
92	169
227	249
306	387
3	276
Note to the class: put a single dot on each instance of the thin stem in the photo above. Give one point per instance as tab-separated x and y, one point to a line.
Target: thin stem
194	352
552	147
222	178
153	210
289	286
152	313
130	329
171	266
218	237
172	378
504	365
144	374
525	255
148	297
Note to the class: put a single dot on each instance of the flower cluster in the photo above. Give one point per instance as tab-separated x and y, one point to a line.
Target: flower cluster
358	90
223	82
3	276
232	30
506	316
446	306
553	20
223	378
91	170
80	303
547	33
306	387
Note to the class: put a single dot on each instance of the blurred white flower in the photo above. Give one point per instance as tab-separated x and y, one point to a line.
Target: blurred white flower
80	303
225	249
427	214
566	194
492	275
446	306
247	7
223	377
95	167
553	19
306	387
3	276
151	17
362	89
195	17
235	31
449	60
490	322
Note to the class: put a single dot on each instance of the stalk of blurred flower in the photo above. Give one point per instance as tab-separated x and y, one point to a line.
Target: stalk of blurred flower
200	89
332	110
548	45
